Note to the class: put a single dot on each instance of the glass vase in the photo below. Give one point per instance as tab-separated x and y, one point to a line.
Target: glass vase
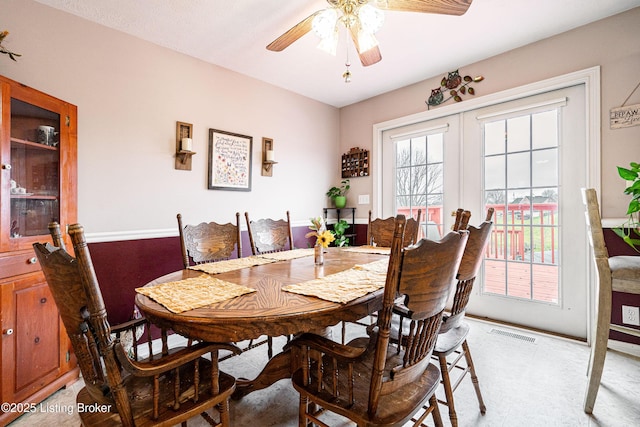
318	254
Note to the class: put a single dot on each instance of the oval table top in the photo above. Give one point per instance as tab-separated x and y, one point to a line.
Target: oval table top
270	310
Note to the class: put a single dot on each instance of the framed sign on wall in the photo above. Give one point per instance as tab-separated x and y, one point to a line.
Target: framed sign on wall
229	161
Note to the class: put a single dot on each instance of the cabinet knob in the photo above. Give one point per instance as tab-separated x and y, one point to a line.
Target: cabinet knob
6	166
8	331
33	260
43	300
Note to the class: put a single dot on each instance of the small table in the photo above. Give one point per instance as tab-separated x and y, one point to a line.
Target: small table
268	311
352	234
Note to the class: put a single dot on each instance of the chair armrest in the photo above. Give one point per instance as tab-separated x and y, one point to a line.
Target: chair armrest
128	325
172	361
327	346
401	310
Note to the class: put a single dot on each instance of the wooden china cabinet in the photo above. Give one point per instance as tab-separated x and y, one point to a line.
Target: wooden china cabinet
38	138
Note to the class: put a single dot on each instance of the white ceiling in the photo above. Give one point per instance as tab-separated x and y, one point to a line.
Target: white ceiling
414	46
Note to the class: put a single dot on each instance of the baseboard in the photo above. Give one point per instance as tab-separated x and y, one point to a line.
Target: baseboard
624	347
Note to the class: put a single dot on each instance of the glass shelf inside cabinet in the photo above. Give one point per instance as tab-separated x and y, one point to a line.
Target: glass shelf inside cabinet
35	169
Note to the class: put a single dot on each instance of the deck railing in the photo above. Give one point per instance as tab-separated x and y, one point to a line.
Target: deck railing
521	231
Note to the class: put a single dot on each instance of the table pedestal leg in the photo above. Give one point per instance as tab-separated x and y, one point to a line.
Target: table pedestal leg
279	367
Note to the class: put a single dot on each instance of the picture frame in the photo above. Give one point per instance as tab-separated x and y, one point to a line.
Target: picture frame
230	160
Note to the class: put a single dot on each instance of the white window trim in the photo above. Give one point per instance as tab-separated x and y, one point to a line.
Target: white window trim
590	77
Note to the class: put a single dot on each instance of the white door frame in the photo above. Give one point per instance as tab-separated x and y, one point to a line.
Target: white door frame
590	77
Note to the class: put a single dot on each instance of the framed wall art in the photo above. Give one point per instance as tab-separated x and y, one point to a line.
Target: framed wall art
229	161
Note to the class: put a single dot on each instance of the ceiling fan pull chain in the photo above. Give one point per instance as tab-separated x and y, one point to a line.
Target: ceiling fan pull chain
347	74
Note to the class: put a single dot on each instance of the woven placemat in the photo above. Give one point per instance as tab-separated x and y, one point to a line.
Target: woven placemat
367	249
287	255
347	285
187	294
231	264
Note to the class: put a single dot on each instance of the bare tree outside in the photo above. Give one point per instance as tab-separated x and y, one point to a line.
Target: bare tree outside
419	175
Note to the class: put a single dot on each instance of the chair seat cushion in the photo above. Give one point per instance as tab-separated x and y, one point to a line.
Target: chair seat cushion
625	272
452	339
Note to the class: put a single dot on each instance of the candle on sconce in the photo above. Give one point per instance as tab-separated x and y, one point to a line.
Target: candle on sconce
269	156
186	144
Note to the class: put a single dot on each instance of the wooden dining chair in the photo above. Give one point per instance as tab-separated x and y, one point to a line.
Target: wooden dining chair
617	273
209	242
162	389
367	381
462	218
380	231
412	230
268	235
452	338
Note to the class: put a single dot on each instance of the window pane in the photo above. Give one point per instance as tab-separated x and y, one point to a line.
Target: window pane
518	134
419	180
545	167
495	280
519	211
435	148
545	129
435	178
518	170
403	202
419	201
497	200
494	176
494	136
419	151
403	181
403	153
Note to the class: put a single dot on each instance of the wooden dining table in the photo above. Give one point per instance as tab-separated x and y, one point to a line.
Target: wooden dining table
269	310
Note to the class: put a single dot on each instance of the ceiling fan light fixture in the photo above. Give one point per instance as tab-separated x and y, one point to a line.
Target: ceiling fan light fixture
361	16
324	23
329	43
371	18
366	41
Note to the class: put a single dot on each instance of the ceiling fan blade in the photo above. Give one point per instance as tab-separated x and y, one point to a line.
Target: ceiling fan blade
368	57
293	34
444	7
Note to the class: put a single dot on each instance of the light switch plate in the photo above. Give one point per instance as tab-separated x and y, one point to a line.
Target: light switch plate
363	199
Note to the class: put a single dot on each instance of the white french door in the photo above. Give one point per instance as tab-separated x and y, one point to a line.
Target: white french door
526	158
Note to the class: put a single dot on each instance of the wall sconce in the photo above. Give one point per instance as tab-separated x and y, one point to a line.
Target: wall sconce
184	146
267	157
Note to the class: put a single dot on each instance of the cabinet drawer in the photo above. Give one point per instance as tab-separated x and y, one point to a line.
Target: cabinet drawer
21	263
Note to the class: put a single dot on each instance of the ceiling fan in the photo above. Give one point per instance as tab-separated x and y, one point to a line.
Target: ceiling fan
361	18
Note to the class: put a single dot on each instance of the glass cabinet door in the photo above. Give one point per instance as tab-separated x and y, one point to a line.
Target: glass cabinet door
35	166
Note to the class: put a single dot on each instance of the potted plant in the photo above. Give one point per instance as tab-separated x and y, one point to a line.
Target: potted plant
629	230
339	228
338	194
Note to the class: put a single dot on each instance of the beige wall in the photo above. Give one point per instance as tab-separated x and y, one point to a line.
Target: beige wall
610	43
130	94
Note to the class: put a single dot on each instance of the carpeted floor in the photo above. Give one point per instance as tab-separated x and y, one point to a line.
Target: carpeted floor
526	379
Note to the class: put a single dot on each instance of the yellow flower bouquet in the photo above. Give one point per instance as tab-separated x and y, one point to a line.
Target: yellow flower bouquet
323	238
